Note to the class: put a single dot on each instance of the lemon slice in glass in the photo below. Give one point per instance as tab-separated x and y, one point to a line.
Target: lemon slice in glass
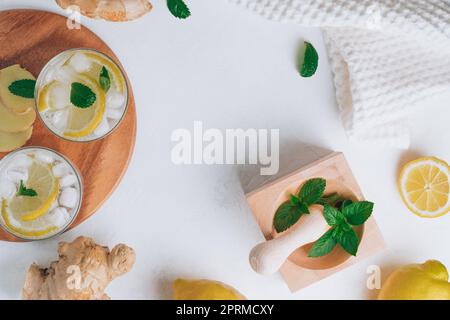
83	122
114	72
36	228
53	95
46	185
424	186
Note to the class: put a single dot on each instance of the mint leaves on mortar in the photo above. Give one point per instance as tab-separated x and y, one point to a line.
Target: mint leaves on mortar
23	88
310	61
82	96
341	232
341	215
178	8
290	212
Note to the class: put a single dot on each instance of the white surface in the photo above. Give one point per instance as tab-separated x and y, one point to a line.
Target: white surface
230	69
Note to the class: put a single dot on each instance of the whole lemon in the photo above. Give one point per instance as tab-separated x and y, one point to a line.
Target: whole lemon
204	290
427	281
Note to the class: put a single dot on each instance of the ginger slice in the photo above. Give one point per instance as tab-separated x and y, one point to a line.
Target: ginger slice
111	10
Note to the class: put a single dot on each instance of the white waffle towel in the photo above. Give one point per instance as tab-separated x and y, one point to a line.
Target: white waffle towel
387	56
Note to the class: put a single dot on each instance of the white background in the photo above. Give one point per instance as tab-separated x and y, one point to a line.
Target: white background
230	69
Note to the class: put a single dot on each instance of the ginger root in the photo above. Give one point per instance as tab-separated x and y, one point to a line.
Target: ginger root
111	10
83	272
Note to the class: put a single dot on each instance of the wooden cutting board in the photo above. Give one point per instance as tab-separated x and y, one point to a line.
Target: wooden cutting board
31	38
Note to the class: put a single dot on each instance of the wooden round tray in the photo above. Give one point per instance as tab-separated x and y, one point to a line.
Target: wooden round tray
31	38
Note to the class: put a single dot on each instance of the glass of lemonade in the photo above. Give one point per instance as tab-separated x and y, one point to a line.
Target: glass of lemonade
81	95
40	193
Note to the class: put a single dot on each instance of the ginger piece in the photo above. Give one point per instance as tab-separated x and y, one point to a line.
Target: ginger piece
83	272
111	10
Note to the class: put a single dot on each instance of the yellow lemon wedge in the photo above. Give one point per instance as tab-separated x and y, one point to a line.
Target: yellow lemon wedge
204	290
424	186
114	71
83	122
46	185
37	228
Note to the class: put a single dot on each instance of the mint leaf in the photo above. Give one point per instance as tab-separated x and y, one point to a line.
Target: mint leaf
23	191
310	61
23	88
357	213
323	245
303	207
178	8
347	238
286	216
312	191
345	203
82	96
104	79
332	215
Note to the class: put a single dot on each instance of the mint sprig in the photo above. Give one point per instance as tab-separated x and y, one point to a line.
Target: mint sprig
23	88
23	191
291	211
82	96
178	8
341	222
310	61
104	79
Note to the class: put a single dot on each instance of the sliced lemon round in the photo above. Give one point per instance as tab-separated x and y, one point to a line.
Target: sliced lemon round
46	185
424	186
55	95
36	228
83	122
114	71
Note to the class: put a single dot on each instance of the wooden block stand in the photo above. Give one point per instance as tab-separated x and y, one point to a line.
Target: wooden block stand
299	270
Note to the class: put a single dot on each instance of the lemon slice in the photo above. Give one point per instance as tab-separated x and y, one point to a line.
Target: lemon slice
41	180
114	71
82	122
37	228
52	94
424	186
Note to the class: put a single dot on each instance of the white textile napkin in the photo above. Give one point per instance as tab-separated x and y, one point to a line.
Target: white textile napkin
387	56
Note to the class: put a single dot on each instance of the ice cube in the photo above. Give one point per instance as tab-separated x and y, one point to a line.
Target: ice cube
44	156
102	128
7	189
61	169
114	99
17	174
68	198
79	62
60	95
59	119
114	114
67	180
59	217
65	74
51	73
22	160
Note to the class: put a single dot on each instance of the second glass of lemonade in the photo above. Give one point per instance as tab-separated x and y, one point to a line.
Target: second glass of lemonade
81	95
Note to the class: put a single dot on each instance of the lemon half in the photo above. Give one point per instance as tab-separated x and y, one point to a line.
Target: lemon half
424	186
